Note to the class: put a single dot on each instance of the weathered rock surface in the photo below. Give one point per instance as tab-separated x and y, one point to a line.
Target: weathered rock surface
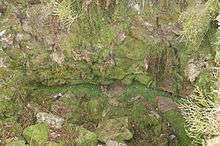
114	129
85	137
50	119
165	104
36	134
195	67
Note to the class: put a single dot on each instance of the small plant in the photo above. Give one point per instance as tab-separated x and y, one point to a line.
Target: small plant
64	11
200	116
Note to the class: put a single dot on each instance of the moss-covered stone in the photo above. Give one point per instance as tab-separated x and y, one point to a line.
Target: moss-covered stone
8	108
85	137
140	116
36	135
53	47
114	129
17	143
196	23
94	109
174	118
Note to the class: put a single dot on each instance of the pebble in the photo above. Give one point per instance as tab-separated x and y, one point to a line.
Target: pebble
50	119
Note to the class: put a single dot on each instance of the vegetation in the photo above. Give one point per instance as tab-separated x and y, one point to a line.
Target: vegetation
134	72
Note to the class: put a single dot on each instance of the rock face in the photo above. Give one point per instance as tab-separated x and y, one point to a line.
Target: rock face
114	129
194	68
165	104
36	134
50	119
85	137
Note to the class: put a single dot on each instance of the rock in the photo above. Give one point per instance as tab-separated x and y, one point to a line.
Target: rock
165	104
195	67
36	134
50	119
114	90
114	129
134	7
172	137
173	140
17	143
94	108
114	143
57	96
85	137
136	98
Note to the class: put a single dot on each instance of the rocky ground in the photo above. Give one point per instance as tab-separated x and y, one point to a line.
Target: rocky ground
109	73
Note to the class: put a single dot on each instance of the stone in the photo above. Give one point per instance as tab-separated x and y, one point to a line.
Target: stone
94	109
57	96
115	90
114	143
36	134
50	119
165	104
195	67
85	137
114	129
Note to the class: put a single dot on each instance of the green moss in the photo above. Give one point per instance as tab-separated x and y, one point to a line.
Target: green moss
94	109
177	123
94	55
149	93
36	134
86	137
17	143
196	25
205	81
8	109
114	129
141	117
86	100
